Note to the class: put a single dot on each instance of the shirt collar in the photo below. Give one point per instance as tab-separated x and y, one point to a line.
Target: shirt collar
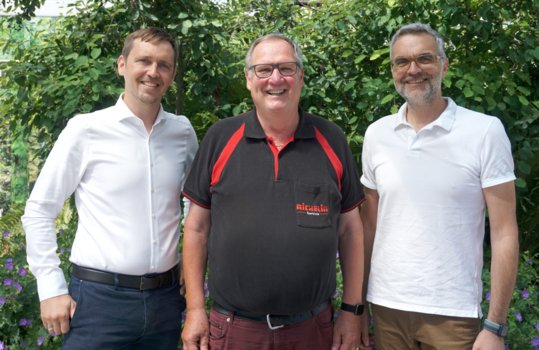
444	121
254	130
124	112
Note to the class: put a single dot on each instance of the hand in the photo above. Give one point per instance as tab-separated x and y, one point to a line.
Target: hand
346	332
487	340
56	313
364	328
196	331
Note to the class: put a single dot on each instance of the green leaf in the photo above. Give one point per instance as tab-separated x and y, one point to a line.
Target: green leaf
186	25
347	53
523	100
96	52
520	183
387	98
524	167
376	54
360	58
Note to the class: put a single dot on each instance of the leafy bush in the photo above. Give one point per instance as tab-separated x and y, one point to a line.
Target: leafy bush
523	317
20	323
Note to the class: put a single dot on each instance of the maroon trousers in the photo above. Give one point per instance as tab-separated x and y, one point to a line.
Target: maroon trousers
234	333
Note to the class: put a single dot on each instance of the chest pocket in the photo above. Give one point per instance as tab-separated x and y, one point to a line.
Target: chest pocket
312	205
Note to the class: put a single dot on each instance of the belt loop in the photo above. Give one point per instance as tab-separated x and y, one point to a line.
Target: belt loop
116	281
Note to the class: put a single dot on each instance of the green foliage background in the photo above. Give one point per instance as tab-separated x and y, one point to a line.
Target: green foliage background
62	66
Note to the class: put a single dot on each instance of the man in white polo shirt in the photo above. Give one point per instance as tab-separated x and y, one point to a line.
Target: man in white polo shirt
430	171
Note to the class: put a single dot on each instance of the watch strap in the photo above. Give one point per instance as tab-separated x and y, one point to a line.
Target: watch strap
355	309
500	329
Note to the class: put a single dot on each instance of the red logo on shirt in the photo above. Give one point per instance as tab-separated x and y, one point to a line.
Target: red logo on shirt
308	209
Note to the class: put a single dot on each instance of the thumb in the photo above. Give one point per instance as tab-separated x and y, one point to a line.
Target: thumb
204	342
72	308
336	343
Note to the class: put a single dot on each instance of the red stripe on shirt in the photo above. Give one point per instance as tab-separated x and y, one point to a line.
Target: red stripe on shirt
225	155
335	161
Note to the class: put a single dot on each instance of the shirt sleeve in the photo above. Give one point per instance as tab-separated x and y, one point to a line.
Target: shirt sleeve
197	186
367	178
497	164
192	147
58	179
352	192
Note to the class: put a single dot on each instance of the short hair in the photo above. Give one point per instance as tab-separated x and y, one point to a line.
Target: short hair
150	34
418	28
273	36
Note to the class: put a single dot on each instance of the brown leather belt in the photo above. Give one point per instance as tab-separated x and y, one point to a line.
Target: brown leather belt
145	282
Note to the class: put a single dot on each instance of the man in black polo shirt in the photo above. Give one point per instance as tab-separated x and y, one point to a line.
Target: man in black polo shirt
274	195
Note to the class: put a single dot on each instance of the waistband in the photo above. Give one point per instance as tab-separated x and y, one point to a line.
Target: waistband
144	282
275	321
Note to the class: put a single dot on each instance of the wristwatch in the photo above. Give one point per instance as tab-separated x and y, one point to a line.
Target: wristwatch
355	309
500	329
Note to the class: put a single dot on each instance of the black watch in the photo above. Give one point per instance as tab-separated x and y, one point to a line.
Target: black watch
500	329
355	309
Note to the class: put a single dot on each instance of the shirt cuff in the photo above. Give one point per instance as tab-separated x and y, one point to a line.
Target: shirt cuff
51	285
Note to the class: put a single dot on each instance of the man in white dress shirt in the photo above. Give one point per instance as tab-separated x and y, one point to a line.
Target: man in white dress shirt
126	165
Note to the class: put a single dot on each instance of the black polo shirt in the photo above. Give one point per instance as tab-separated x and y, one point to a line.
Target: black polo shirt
274	215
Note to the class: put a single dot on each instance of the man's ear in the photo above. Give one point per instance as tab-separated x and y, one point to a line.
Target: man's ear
121	65
248	79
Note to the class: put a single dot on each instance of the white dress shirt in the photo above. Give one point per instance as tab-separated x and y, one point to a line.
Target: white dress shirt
127	184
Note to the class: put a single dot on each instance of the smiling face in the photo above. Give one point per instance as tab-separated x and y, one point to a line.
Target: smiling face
148	71
277	93
418	85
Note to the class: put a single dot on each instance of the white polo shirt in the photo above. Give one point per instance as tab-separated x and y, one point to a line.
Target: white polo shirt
428	248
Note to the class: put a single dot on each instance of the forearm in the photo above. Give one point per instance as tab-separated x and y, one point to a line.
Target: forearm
501	203
504	265
368	212
194	266
352	259
195	255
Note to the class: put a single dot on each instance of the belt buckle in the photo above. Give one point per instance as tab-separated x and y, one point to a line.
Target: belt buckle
270	326
141	286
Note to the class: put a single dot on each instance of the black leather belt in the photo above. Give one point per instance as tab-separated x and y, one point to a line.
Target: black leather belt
145	282
275	321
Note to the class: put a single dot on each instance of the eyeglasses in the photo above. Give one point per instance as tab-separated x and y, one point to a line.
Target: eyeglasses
263	71
401	64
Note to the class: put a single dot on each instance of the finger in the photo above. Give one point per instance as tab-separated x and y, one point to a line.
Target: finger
365	339
50	329
64	326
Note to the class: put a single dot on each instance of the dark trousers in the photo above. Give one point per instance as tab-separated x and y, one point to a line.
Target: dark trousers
109	317
234	333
